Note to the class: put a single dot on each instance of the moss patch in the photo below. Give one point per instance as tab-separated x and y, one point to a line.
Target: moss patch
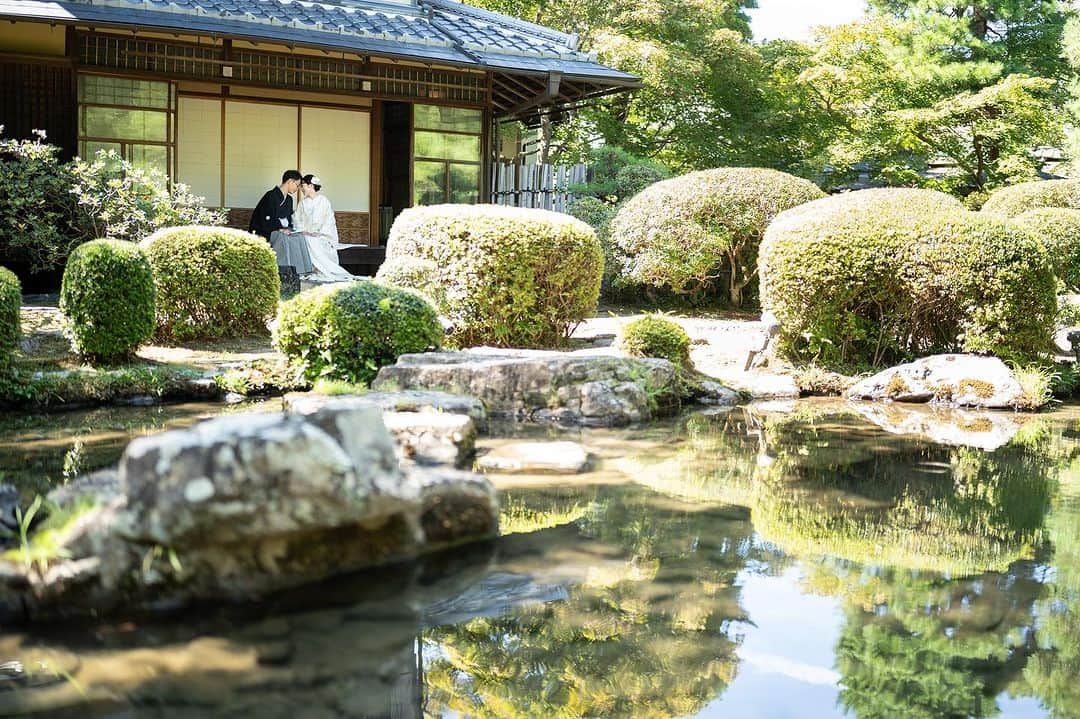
980	388
896	386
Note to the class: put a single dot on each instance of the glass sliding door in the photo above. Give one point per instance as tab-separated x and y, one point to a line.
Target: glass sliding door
132	117
446	155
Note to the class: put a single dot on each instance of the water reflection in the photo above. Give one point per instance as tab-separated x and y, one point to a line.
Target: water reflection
749	563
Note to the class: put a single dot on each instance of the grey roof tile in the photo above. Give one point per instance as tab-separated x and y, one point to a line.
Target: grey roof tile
443	30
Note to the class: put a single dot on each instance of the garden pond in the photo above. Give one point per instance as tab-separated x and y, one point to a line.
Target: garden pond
764	561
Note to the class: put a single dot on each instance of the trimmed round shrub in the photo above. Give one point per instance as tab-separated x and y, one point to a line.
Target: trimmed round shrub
1058	229
511	277
699	232
348	331
413	273
10	301
1018	199
656	336
878	276
107	297
212	282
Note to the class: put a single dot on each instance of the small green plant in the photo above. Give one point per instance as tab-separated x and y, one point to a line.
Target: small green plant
656	336
41	543
1066	380
1036	384
10	300
212	282
347	332
337	388
107	297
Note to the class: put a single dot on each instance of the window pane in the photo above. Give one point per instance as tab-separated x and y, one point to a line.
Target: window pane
447	147
122	91
465	184
111	123
429	183
152	158
89	150
433	117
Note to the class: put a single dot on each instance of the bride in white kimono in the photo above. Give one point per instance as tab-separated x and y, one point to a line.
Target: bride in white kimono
314	217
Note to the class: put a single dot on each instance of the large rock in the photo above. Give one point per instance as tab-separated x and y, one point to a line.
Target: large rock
586	388
427	428
407	401
243	505
956	380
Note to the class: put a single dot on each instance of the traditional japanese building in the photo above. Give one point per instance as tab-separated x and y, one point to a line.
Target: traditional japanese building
393	103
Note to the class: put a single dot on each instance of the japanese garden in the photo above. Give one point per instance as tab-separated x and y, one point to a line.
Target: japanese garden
521	358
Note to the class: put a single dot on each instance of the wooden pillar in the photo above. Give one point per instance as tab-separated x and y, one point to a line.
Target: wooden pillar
375	168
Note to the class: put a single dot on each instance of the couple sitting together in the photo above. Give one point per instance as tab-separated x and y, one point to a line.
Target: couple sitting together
306	239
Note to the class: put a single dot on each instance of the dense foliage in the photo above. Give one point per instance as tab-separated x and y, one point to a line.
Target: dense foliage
212	282
915	93
1018	199
51	207
349	331
694	233
1058	229
877	276
107	298
656	336
508	276
10	301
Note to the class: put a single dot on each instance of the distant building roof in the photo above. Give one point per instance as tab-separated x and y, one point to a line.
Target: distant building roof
443	31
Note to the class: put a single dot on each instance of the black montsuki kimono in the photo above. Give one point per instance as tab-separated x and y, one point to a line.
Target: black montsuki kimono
274	206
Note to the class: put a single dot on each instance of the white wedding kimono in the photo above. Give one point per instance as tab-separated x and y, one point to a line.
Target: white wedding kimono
317	216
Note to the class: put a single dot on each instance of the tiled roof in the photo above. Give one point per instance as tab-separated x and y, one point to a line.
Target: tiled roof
443	30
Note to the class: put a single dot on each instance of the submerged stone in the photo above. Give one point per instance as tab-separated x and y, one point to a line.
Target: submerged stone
536	458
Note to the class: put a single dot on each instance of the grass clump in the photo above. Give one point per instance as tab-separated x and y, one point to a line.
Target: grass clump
1036	384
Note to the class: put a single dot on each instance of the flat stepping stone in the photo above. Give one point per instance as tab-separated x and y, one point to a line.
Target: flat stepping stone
536	458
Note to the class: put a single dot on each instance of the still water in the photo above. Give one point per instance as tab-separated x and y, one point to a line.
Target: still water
772	562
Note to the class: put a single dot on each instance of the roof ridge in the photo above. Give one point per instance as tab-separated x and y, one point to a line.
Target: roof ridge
460	8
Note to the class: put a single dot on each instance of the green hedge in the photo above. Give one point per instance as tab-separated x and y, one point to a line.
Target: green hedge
348	331
699	233
1058	229
212	282
656	336
10	301
877	276
107	297
414	273
511	276
1018	199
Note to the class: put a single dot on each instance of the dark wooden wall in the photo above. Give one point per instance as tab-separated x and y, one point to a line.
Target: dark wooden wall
39	96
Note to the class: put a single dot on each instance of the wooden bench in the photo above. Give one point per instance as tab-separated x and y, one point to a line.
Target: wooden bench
360	259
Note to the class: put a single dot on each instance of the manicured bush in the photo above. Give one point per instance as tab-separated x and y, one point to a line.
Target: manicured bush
10	301
877	276
413	273
656	336
511	276
348	331
695	233
1058	229
107	298
1018	199
212	282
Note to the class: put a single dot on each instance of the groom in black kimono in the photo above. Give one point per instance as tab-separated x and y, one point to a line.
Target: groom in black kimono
275	209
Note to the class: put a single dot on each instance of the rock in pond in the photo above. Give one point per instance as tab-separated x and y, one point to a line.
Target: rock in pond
428	428
956	379
239	506
535	458
585	388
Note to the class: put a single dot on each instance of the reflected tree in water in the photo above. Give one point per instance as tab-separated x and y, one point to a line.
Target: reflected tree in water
651	631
